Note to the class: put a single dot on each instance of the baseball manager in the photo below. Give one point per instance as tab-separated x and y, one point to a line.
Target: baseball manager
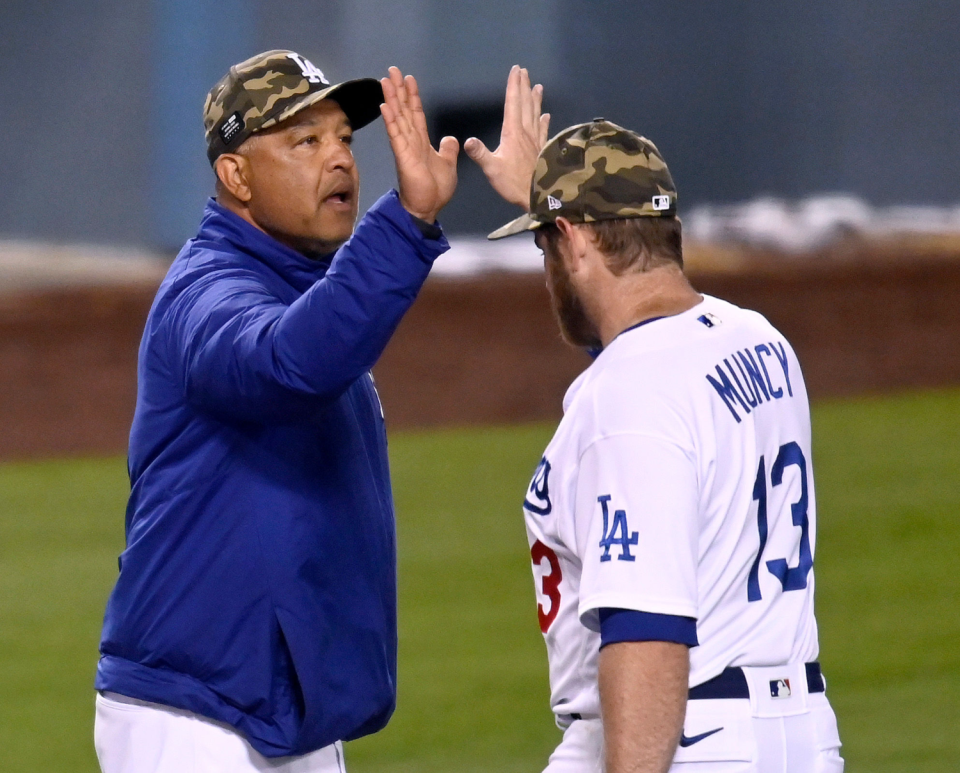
253	623
672	519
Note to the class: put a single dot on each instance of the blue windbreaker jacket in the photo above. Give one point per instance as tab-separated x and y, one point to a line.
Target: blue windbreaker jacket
258	583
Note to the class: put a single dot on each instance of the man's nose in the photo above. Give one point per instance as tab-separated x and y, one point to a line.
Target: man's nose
341	157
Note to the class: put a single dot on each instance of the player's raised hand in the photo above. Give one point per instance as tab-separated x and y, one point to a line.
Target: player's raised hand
426	177
510	167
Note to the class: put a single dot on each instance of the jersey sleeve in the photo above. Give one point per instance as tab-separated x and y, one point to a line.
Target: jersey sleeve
636	525
619	625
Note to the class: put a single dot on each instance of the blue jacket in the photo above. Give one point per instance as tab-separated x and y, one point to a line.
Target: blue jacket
258	583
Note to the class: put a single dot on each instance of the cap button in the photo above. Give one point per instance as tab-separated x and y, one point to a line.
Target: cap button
598	120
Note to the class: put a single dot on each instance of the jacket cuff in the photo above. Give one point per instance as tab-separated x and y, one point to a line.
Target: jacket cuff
429	230
428	237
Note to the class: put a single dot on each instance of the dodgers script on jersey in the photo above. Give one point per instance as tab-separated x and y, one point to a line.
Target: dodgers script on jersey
679	482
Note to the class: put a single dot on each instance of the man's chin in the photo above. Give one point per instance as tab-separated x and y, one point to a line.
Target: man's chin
313	246
329	236
582	339
338	231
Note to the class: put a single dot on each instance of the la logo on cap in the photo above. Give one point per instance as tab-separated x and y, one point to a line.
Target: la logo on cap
310	71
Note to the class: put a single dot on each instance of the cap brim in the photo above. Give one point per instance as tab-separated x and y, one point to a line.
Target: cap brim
360	99
514	227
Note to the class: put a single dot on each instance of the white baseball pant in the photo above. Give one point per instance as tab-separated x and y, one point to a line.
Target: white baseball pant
133	736
762	734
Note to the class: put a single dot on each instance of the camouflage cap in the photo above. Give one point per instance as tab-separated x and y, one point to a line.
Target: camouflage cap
269	88
596	171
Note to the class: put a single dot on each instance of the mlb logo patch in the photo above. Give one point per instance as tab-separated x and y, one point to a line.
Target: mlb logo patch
710	320
780	688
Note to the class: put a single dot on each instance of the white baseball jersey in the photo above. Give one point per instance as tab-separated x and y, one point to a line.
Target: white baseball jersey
679	482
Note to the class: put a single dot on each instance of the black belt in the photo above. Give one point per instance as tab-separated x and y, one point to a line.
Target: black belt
731	683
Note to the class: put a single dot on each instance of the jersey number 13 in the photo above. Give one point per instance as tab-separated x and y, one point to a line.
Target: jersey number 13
791	577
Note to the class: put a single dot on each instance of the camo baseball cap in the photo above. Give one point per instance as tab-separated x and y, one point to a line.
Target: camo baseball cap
596	171
269	88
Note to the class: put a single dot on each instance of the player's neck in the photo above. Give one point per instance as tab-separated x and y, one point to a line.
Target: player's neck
631	299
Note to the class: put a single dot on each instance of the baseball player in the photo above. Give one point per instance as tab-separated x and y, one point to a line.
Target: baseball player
672	518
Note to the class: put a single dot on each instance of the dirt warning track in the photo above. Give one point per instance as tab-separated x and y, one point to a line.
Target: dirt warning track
486	349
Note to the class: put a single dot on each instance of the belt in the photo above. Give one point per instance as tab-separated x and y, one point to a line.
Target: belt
731	683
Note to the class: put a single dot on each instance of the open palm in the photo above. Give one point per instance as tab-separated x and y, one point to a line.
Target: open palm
426	177
510	167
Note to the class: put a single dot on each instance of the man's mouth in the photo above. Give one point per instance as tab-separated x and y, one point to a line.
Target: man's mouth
342	195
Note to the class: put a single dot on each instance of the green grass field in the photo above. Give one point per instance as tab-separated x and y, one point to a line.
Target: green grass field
473	684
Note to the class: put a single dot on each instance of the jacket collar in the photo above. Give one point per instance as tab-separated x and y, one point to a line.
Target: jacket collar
221	225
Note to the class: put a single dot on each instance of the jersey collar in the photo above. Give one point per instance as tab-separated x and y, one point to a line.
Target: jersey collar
594	353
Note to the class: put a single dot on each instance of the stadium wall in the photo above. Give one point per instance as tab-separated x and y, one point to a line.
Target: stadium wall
485	350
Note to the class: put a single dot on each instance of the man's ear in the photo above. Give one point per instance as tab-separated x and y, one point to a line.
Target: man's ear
233	171
575	243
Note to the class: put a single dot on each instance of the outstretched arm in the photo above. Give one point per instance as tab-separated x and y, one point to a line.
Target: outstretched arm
426	177
510	167
248	354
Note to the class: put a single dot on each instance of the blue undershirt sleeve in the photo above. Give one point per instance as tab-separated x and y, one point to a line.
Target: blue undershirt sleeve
617	625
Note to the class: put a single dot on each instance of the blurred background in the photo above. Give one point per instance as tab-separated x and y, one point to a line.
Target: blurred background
103	137
816	149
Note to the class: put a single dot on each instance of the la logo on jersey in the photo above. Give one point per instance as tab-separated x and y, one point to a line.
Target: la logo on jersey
780	688
616	533
310	71
537	499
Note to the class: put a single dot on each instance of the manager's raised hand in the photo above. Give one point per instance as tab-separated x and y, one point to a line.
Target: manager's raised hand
426	177
510	167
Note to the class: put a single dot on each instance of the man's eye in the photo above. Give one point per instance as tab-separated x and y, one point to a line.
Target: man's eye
308	140
347	139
